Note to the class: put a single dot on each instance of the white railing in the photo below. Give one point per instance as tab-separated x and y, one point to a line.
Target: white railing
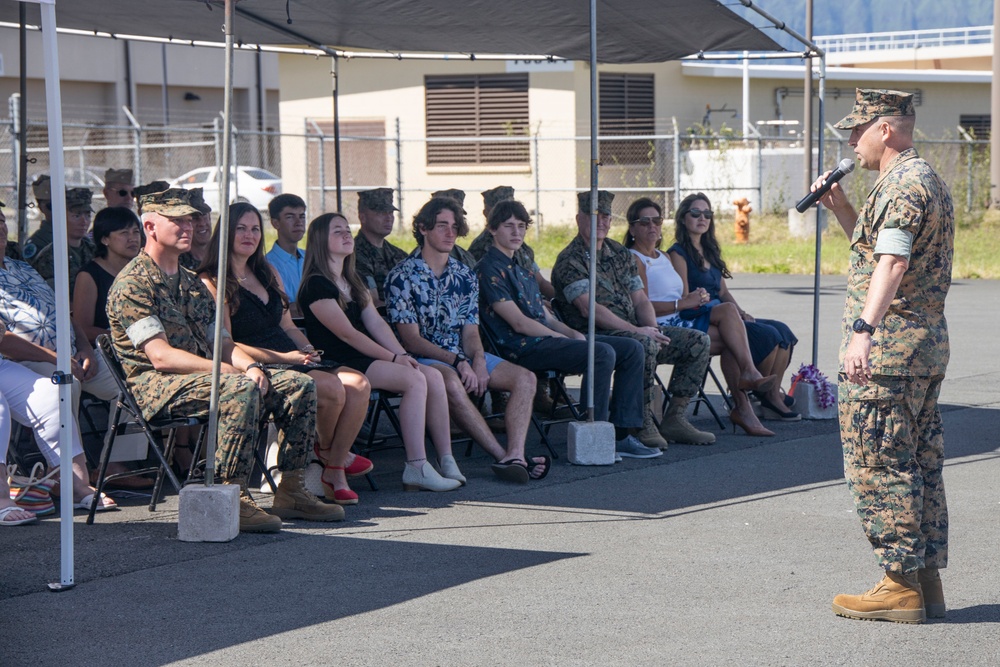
911	39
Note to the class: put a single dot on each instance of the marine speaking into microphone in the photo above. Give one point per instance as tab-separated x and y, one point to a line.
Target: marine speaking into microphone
845	167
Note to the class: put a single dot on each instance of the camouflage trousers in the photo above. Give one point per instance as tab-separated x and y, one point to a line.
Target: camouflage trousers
291	402
688	352
893	456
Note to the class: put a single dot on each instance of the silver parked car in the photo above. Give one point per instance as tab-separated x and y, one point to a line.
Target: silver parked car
252	184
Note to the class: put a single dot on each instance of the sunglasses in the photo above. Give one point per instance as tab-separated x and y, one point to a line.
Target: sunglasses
124	193
698	213
646	221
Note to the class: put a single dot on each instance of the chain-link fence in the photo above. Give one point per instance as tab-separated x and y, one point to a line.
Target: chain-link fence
546	171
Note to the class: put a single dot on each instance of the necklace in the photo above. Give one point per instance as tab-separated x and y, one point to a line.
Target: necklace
243	279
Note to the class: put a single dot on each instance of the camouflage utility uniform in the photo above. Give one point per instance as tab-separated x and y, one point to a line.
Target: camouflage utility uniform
617	279
373	264
142	305
39	252
891	428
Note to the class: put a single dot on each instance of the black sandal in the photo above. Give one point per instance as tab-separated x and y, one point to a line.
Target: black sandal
544	465
511	470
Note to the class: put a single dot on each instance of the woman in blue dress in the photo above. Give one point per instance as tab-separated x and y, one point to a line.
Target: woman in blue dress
697	258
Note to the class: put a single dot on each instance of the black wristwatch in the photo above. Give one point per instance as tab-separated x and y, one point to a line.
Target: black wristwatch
459	358
260	366
860	325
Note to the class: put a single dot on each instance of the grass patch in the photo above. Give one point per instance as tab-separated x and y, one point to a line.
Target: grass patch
771	250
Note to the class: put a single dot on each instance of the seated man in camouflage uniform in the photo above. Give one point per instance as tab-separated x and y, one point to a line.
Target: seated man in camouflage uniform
38	251
623	309
162	324
202	235
119	188
374	256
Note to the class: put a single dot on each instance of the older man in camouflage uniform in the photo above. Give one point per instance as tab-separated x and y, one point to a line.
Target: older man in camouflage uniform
623	309
119	188
374	256
39	250
162	321
893	359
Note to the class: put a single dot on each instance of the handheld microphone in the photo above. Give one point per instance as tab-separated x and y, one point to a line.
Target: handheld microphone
845	167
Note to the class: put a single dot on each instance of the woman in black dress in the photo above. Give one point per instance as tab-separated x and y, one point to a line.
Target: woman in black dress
258	320
341	318
118	237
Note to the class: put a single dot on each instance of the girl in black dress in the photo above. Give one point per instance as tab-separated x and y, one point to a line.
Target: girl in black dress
258	320
341	318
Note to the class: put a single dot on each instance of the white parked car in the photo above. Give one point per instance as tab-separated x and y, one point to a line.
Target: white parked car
252	184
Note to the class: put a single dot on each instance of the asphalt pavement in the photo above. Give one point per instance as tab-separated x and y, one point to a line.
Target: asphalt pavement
727	554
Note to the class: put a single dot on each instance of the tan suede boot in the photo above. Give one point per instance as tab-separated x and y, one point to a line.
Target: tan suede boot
930	588
649	435
676	428
294	501
896	598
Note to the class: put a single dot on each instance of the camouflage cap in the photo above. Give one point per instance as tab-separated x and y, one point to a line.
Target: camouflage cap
379	199
123	176
197	197
498	194
454	193
42	187
79	198
604	199
172	203
872	103
149	188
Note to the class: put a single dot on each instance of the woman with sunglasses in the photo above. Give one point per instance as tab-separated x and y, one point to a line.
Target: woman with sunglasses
695	309
341	317
257	317
697	258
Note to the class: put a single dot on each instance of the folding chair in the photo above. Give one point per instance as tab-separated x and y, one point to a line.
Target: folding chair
380	403
154	430
700	399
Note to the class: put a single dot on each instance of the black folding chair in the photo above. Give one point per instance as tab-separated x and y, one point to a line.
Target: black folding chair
702	398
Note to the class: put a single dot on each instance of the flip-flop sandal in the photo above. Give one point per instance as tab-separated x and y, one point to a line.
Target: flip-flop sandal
105	505
513	470
15	522
546	464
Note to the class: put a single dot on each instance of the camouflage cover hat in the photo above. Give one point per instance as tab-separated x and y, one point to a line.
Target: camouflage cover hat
197	197
872	103
171	203
149	188
79	198
498	194
42	187
379	199
604	199
124	176
454	193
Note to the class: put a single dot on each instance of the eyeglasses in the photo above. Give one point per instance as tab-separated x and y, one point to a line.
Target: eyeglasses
646	221
126	193
698	213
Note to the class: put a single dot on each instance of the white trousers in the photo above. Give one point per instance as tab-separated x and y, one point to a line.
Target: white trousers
33	401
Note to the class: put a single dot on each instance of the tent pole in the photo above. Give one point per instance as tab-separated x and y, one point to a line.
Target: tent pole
592	297
336	129
820	211
67	420
22	134
220	280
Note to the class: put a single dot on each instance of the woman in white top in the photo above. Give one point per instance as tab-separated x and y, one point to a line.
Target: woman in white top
721	321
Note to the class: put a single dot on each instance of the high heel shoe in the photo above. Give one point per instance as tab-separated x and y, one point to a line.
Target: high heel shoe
751	430
339	496
772	411
359	466
762	385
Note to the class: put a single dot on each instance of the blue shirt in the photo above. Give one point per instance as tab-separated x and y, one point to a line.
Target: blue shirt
289	267
440	305
28	305
503	279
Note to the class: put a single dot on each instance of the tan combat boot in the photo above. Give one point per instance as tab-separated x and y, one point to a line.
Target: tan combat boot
676	428
896	598
255	520
649	435
930	588
294	501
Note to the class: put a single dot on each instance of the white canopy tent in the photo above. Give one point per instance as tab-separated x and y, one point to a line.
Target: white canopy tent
613	31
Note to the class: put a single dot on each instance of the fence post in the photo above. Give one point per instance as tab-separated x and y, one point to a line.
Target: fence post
538	185
399	174
216	131
137	149
968	167
321	152
760	173
677	163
